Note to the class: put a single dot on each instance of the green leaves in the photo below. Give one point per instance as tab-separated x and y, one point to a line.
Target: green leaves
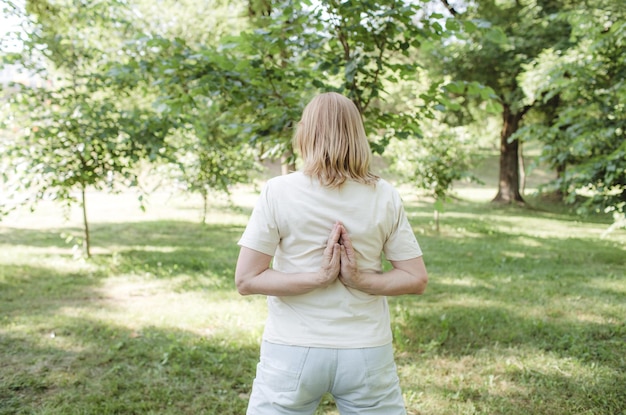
497	36
582	94
76	131
144	82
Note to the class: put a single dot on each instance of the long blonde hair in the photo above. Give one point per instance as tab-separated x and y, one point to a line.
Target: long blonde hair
331	140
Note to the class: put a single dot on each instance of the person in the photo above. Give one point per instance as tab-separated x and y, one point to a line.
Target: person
313	245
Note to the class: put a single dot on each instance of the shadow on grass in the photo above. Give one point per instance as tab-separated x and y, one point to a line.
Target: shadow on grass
535	208
575	395
584	371
483	251
41	290
92	367
464	329
493	325
497	288
165	233
54	363
162	249
490	289
39	238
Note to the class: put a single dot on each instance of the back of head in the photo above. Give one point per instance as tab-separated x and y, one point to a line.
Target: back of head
331	140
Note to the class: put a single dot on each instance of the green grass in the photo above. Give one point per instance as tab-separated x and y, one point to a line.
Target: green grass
524	314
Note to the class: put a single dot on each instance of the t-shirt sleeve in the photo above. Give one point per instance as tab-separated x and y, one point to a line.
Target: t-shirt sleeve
261	233
401	244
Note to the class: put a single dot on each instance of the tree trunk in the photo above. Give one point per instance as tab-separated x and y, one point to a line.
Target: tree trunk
86	240
508	185
287	161
560	174
205	205
522	169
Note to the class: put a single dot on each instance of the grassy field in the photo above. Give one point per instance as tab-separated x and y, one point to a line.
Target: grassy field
524	314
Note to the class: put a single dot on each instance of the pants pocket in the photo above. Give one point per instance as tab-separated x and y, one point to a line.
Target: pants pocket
381	371
281	366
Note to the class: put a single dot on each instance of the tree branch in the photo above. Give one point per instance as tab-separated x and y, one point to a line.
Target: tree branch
451	9
526	109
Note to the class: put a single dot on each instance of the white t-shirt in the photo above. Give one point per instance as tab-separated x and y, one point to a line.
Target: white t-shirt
292	220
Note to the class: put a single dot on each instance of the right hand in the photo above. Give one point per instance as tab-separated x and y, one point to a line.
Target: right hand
331	260
349	273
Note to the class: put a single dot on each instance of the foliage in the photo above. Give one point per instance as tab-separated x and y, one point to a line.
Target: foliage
363	51
179	84
73	133
206	161
259	80
263	76
586	136
434	163
253	83
232	94
506	36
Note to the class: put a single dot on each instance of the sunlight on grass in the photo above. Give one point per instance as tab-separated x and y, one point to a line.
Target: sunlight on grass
475	194
524	312
494	381
157	303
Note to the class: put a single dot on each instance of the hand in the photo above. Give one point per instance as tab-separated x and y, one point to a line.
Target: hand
331	260
349	271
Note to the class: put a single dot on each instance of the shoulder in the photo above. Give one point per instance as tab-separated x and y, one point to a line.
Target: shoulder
388	192
384	186
290	180
286	182
286	178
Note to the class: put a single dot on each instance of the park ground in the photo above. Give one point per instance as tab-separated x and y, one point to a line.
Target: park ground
524	314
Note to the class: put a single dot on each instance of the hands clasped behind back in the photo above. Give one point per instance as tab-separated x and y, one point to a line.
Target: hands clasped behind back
339	259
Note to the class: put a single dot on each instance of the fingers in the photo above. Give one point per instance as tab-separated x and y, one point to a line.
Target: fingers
335	234
333	239
349	273
346	242
339	244
335	260
340	258
348	261
344	255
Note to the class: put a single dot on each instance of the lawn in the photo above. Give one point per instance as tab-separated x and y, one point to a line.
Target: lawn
524	314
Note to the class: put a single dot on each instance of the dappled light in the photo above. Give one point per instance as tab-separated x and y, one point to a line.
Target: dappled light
136	136
514	316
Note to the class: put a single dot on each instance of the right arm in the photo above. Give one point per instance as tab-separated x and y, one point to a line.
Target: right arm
406	277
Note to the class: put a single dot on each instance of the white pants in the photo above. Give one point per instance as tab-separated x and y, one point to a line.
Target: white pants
292	380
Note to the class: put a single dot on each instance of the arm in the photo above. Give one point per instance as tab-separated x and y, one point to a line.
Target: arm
406	277
253	274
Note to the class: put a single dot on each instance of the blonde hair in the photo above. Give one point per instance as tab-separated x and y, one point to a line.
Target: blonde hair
331	140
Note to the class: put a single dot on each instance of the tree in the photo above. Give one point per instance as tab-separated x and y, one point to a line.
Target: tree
510	35
363	50
585	138
74	133
263	76
206	160
433	163
222	99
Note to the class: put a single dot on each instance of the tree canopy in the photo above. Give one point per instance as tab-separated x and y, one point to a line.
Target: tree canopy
204	93
584	89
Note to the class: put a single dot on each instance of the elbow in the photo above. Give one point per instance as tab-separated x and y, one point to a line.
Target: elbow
242	285
420	284
243	290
